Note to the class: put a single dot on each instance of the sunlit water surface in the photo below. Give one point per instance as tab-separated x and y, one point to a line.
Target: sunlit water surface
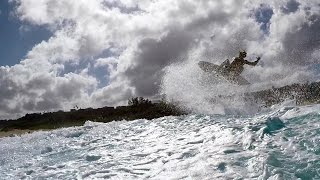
283	143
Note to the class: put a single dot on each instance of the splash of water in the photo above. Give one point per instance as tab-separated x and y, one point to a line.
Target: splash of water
202	92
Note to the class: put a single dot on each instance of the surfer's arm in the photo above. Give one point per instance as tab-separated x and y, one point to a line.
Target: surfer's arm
252	63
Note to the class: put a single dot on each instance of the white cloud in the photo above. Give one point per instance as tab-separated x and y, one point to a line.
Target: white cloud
35	87
106	62
135	40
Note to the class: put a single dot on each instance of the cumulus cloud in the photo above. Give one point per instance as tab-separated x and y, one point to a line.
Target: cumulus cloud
134	41
34	87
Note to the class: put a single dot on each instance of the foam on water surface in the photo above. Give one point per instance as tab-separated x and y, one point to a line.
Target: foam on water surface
281	144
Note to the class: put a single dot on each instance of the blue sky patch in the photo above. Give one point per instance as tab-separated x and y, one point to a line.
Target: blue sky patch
291	7
263	15
15	43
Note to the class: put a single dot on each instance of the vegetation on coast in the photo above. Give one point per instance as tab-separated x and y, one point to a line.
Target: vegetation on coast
140	108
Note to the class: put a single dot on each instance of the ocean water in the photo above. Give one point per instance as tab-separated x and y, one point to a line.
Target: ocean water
280	143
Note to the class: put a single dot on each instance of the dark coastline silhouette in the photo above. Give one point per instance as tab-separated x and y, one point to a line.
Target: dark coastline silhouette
140	108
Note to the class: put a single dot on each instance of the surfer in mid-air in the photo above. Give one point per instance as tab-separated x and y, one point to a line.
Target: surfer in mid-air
236	67
230	71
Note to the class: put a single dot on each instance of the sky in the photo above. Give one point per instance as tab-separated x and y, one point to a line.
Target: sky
56	55
17	38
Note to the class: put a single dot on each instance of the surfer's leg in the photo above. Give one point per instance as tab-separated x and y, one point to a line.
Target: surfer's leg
225	63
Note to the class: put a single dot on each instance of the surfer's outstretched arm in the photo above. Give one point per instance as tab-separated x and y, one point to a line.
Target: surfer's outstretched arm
252	63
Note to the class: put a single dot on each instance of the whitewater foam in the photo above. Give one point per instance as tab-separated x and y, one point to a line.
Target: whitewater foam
280	144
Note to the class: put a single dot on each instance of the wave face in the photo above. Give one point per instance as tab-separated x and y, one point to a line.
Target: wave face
283	143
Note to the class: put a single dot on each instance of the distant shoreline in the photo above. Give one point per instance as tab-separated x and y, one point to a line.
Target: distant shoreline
140	108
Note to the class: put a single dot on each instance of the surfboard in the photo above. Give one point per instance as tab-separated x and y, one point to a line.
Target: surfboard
219	71
208	67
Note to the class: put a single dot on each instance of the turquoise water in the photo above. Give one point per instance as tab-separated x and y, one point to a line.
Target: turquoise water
282	143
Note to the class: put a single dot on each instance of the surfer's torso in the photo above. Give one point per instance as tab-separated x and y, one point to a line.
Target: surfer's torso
236	67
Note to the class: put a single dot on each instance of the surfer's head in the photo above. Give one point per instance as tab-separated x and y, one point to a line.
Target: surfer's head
242	54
